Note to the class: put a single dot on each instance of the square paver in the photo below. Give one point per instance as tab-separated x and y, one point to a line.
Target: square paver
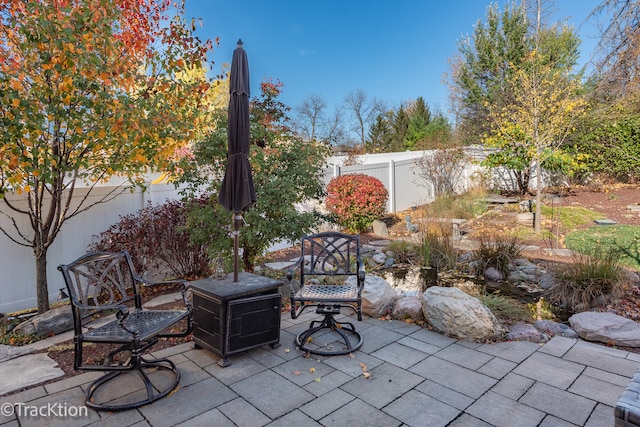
598	390
242	413
463	356
433	338
500	412
418	409
208	419
326	404
377	337
385	383
400	355
558	346
444	394
351	364
178	406
497	367
602	415
550	370
515	351
595	356
466	420
303	370
513	386
359	413
455	377
327	383
271	393
295	418
560	403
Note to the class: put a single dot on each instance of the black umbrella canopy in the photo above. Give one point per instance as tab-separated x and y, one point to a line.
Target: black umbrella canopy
237	193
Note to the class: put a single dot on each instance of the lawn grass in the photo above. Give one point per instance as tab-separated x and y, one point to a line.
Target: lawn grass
622	238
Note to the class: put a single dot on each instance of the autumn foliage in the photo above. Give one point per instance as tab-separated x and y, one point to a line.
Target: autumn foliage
356	200
89	90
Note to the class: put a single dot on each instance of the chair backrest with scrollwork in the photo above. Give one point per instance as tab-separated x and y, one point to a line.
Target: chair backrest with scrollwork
100	281
330	254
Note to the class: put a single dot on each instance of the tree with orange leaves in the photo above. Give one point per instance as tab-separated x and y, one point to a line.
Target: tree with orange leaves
89	90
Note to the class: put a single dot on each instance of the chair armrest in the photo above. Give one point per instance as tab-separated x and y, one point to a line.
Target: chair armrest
361	271
121	315
184	286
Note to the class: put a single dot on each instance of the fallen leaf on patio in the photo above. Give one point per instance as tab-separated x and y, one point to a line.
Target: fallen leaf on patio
297	373
312	370
307	355
286	350
309	339
351	355
363	366
317	380
366	375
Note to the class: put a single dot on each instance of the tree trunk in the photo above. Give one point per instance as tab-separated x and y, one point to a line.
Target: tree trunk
42	291
538	214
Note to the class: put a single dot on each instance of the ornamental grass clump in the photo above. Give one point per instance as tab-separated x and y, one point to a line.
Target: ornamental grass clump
497	252
589	281
356	200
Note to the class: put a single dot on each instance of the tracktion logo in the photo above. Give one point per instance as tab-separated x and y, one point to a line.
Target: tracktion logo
60	410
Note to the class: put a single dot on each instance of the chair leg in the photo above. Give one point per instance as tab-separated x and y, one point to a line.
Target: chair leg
153	392
347	332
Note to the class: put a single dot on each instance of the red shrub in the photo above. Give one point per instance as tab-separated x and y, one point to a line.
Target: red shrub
356	200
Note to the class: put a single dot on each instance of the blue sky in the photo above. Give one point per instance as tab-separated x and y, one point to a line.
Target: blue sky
393	50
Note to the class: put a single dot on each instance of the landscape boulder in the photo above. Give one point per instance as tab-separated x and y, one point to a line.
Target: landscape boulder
52	322
378	295
452	312
526	332
408	307
607	328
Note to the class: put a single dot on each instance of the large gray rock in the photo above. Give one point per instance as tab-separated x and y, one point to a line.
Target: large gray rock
526	332
378	295
493	274
52	322
409	307
452	312
380	228
607	328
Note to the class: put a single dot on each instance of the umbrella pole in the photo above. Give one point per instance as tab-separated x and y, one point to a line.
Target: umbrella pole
237	220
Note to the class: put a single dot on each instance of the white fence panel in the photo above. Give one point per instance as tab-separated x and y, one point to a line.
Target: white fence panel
17	286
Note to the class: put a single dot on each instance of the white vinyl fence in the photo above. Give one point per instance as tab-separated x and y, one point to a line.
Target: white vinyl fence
397	171
17	263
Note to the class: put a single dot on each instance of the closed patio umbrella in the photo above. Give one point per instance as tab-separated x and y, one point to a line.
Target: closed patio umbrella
237	193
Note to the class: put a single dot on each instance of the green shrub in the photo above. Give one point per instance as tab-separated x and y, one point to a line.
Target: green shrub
496	252
589	281
356	200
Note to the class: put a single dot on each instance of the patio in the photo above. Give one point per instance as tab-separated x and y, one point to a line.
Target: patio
416	378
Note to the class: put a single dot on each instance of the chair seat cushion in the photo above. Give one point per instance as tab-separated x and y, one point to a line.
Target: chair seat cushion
341	293
147	323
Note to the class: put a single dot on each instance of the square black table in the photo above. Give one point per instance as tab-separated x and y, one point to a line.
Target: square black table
231	317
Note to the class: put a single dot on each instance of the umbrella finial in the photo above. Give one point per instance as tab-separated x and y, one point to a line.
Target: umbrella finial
240	43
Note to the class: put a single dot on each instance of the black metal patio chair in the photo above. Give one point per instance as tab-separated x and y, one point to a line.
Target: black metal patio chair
106	282
327	260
